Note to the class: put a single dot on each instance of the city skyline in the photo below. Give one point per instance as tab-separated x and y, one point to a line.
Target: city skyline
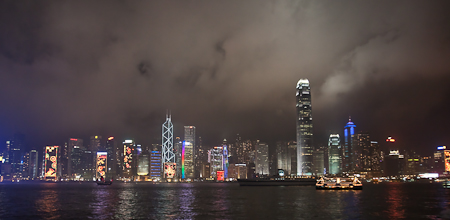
225	67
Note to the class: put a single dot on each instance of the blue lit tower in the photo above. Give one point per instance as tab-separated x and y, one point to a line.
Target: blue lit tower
304	128
225	158
167	141
347	160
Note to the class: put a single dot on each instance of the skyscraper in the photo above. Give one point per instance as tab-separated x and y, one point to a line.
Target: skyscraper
262	158
95	144
348	164
129	159
33	164
113	156
75	153
187	154
225	158
283	157
215	159
168	154
334	154
304	128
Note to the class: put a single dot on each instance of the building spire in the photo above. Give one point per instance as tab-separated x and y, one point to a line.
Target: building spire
349	118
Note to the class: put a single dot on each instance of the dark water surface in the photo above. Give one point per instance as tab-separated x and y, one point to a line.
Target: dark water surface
219	201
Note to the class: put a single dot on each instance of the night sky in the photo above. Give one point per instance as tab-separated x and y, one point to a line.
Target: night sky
81	68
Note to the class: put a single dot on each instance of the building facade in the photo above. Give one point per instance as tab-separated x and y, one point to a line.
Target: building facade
334	154
187	158
304	128
262	158
348	160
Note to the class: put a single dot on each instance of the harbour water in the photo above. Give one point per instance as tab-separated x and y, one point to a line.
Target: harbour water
220	201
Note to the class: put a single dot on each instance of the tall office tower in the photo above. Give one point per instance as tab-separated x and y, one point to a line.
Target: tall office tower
33	164
51	162
88	161
168	155
155	164
25	165
348	159
304	129
319	161
75	151
129	160
64	161
292	148
15	155
201	157
178	145
375	158
238	150
187	157
334	154
111	148
248	151
143	164
362	152
225	158
283	157
215	159
262	158
96	143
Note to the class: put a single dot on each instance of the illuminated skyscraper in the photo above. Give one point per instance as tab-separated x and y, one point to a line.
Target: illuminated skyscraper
155	164
187	154
178	150
33	164
348	160
168	154
334	154
215	159
283	157
304	128
113	156
95	144
225	158
129	159
262	158
75	153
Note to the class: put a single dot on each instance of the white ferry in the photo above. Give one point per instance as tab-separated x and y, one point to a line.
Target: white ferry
338	183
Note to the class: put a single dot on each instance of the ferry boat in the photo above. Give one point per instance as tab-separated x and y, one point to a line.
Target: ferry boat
338	183
277	182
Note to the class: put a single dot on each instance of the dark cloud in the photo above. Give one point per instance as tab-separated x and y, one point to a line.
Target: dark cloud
113	67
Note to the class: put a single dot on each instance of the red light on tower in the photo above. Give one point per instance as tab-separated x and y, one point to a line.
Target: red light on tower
390	139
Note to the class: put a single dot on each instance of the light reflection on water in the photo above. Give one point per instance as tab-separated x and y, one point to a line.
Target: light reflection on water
218	201
48	203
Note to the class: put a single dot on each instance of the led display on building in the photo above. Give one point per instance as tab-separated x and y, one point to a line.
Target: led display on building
447	160
51	161
102	158
127	156
170	170
220	175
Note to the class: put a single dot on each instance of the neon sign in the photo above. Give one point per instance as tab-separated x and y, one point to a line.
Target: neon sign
220	175
128	156
51	161
101	164
441	147
183	174
169	170
447	160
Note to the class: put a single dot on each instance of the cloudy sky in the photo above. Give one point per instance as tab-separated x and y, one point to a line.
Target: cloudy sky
78	68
